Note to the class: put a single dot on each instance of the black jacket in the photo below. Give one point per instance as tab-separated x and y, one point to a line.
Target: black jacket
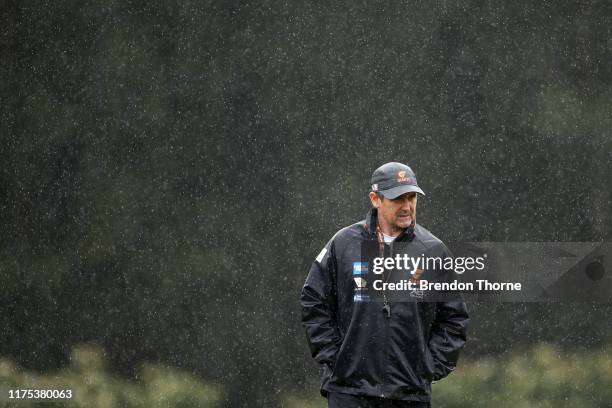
362	351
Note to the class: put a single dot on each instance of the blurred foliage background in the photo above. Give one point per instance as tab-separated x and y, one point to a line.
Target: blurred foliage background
541	377
170	170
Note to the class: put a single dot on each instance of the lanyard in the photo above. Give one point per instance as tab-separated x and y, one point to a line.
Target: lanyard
414	277
381	251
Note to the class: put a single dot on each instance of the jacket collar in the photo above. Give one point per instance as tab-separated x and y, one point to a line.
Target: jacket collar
370	225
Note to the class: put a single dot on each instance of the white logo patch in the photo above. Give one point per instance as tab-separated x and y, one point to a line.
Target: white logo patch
360	282
321	255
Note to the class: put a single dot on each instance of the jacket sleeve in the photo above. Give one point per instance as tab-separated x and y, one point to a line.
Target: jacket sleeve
449	331
448	336
319	308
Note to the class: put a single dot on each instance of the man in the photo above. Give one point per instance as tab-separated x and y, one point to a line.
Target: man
381	352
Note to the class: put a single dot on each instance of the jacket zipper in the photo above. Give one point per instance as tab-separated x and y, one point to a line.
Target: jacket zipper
387	323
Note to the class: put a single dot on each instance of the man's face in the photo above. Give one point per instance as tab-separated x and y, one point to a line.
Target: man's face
397	214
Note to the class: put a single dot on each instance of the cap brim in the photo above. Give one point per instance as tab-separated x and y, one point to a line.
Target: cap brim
399	190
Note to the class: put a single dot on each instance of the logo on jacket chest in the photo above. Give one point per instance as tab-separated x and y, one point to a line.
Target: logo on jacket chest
360	272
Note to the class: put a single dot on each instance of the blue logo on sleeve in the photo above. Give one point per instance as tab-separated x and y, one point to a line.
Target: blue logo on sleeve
360	297
360	268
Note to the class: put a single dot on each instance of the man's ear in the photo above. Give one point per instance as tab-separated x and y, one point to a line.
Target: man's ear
374	199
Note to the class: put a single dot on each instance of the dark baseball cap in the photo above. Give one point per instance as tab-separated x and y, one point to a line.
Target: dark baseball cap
394	179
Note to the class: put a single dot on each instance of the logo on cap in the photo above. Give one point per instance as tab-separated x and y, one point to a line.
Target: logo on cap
402	177
374	187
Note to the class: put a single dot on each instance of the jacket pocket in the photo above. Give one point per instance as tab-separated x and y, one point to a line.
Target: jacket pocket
429	365
336	365
353	364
